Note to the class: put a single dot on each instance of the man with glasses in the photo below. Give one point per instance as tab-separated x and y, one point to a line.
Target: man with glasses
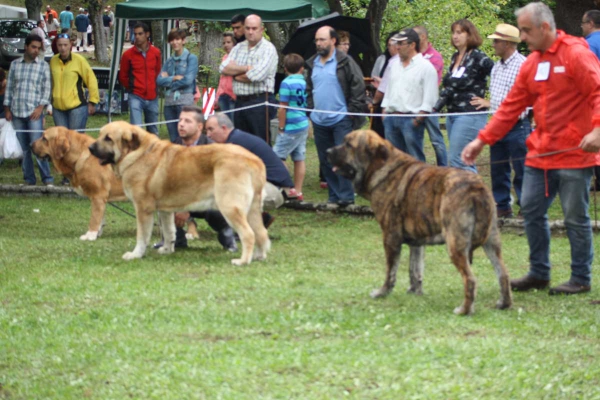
140	66
411	87
590	25
27	93
334	82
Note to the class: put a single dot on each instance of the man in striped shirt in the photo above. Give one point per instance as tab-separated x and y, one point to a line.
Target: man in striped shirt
27	93
253	64
512	147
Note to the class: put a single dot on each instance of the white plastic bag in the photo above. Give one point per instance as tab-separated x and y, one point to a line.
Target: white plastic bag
9	144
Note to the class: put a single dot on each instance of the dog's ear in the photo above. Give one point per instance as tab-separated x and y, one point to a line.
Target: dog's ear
61	147
131	140
382	152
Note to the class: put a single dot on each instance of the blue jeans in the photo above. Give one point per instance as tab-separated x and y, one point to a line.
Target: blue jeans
172	112
149	108
25	140
75	118
226	103
432	124
462	129
340	188
511	148
572	186
404	135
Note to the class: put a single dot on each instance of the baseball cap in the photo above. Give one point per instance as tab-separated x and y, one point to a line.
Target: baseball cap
405	34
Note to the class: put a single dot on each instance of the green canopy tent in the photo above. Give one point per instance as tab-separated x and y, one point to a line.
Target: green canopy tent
204	10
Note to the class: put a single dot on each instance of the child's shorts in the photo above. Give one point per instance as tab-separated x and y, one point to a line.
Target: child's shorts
293	144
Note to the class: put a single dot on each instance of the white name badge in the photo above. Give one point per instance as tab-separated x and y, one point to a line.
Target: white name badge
543	71
559	69
459	72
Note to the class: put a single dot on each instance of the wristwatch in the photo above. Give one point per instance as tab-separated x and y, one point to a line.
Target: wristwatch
281	129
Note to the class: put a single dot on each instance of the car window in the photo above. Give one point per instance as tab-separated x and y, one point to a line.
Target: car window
15	29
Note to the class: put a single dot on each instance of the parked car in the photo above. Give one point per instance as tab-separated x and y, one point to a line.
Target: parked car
12	40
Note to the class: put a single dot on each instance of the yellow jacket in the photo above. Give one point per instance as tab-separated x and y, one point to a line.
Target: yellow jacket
68	80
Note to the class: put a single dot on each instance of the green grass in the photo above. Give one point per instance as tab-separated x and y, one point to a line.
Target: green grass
76	321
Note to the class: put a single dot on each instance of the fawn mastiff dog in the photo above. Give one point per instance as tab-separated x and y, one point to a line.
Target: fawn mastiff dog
69	152
160	176
420	204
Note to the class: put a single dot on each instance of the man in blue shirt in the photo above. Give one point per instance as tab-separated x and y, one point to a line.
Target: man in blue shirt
66	19
334	83
590	25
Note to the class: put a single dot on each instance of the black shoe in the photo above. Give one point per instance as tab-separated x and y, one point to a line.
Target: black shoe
527	283
267	219
65	182
180	239
569	288
508	213
227	239
344	203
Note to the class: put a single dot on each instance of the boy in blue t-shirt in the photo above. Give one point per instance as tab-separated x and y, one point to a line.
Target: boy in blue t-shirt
293	124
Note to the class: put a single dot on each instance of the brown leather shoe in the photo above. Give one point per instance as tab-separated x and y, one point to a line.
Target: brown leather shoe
569	288
527	283
505	213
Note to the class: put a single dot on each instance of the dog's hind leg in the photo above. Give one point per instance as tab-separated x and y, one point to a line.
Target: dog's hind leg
167	227
493	250
235	206
392	246
459	254
145	220
415	269
263	244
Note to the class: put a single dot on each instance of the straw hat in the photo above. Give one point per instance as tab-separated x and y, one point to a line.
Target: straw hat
506	32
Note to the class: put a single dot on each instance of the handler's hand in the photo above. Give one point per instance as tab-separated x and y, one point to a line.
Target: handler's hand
181	218
37	113
480	103
471	151
91	109
591	141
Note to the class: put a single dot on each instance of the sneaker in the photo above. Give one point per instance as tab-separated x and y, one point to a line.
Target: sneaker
323	185
227	239
568	288
344	203
293	194
65	182
527	283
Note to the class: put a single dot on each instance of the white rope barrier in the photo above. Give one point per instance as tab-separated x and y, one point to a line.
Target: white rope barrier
266	103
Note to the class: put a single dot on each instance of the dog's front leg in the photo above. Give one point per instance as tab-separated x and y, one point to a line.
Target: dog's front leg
167	226
415	269
95	227
392	246
145	220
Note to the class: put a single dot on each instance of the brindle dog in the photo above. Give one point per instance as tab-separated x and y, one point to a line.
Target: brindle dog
420	204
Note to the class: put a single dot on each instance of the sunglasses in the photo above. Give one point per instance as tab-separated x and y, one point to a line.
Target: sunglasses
64	36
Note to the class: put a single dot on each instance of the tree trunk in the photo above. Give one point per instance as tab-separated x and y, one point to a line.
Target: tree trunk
568	14
335	6
280	34
33	9
375	17
157	34
210	55
95	8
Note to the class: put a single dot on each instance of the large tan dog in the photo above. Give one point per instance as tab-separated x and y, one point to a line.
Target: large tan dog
164	177
419	204
70	155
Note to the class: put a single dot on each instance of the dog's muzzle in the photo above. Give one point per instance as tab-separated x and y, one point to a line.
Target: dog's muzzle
335	155
105	158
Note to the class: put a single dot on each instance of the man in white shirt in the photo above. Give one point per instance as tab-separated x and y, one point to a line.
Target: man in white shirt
411	88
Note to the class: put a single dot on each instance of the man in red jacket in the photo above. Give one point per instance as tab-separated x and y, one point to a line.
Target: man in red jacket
561	79
140	66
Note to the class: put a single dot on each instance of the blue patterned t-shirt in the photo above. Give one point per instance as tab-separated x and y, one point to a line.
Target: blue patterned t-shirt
293	92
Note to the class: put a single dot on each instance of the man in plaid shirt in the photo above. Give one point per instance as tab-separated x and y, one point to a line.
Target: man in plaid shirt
27	93
253	64
512	146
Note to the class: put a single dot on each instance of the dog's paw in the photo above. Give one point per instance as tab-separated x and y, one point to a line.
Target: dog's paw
503	305
378	293
191	236
416	291
166	250
131	255
462	310
238	262
89	235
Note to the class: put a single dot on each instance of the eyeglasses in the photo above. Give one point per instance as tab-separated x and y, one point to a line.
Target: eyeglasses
345	44
64	36
585	22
